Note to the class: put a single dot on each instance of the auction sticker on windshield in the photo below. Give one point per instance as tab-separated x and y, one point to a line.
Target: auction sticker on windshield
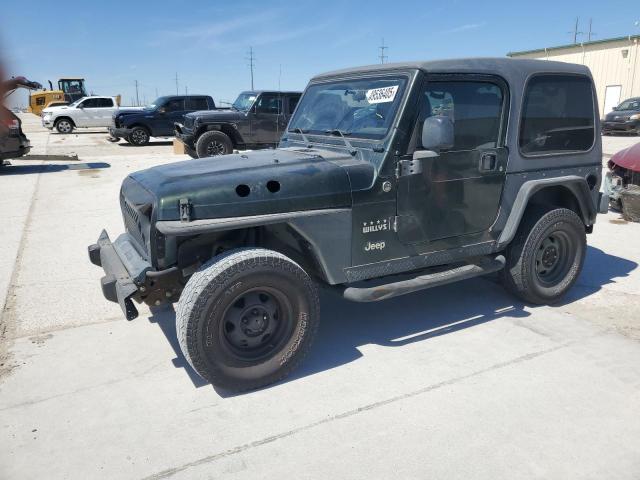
382	95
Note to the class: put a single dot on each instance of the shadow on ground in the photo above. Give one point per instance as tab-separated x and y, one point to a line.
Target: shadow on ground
151	143
50	168
417	317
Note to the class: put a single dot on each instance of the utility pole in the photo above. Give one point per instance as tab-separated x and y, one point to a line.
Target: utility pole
251	59
186	90
591	33
177	83
382	48
575	32
279	77
137	98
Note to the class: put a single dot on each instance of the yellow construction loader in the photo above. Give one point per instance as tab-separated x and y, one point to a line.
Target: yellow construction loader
69	90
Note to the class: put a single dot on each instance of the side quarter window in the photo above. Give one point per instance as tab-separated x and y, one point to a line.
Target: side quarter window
474	107
557	115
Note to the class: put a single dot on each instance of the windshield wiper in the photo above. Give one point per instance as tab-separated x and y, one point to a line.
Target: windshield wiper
302	133
339	133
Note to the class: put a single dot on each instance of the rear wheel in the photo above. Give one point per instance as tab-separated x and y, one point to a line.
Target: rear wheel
213	143
64	126
546	256
139	136
247	318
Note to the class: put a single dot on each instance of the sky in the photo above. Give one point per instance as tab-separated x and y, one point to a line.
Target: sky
113	44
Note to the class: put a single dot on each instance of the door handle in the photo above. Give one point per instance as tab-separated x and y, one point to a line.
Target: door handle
488	161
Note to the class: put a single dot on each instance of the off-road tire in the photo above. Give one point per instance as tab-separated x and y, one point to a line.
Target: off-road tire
630	203
214	291
213	143
520	275
139	136
64	126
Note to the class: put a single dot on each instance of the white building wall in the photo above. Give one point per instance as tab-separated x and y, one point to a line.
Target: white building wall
605	60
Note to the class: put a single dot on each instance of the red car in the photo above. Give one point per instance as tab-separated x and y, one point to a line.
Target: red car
623	178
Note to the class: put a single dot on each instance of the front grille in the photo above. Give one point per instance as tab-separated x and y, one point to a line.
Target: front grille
136	224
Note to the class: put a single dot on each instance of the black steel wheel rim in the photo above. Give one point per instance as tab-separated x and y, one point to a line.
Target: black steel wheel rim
554	258
257	323
214	148
139	136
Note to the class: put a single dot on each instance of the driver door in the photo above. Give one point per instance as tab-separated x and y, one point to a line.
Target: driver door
172	111
456	193
269	121
88	113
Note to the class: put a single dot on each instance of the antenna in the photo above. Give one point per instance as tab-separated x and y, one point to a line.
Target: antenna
382	48
575	32
177	83
251	59
137	97
591	33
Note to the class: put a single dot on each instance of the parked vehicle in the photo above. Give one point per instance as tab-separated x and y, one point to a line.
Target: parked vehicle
156	120
69	90
257	119
13	141
88	112
369	182
624	118
622	182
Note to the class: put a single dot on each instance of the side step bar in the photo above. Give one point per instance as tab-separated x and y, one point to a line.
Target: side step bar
402	287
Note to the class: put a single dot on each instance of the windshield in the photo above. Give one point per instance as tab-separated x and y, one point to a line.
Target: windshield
153	105
631	104
77	102
244	101
362	108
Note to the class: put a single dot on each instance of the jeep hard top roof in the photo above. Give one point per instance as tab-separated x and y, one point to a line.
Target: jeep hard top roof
509	68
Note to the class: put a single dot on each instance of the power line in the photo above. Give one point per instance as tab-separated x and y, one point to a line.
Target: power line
382	48
251	59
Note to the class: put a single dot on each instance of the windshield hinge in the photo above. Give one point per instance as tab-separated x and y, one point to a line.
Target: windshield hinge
394	223
185	210
408	167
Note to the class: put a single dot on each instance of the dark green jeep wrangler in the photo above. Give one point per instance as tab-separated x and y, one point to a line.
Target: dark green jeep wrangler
389	179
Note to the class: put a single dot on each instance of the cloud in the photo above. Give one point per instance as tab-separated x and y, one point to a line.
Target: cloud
465	27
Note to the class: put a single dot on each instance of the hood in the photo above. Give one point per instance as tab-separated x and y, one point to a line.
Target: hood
56	109
222	114
620	115
628	158
130	111
255	183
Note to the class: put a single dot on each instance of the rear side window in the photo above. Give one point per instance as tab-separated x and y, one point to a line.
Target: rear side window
91	103
557	116
197	103
105	102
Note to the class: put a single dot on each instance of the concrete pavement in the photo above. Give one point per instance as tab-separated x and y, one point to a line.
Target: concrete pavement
461	381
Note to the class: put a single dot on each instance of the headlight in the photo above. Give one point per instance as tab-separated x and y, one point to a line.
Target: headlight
635	117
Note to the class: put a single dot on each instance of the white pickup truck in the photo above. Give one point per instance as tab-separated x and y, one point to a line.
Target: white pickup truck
87	112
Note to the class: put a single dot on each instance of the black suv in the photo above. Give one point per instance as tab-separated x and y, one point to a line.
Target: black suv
136	126
624	118
257	119
13	141
390	179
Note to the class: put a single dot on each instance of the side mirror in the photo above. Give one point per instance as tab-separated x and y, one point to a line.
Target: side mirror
437	133
80	106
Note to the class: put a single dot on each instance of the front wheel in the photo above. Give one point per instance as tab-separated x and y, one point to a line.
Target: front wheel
64	126
247	318
546	256
139	136
213	143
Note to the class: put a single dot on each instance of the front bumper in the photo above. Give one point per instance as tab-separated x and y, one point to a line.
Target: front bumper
184	134
47	122
125	271
625	126
120	132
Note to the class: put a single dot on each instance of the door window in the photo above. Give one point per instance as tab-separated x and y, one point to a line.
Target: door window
91	103
474	107
269	104
174	105
197	103
293	101
557	116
